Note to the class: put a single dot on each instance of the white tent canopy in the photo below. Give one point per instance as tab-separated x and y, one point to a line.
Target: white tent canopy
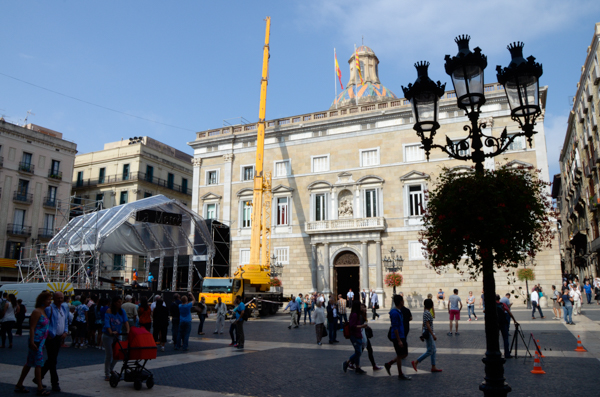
116	231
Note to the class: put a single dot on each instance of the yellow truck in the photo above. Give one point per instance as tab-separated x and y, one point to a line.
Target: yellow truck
249	282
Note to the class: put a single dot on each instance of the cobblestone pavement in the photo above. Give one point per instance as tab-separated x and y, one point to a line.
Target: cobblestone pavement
282	362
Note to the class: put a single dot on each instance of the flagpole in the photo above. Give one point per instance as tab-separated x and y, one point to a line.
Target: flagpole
355	76
335	77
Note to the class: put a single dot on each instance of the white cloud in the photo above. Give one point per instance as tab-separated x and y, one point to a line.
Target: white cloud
26	56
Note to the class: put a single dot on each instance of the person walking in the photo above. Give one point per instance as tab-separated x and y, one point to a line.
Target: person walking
160	318
588	291
239	321
363	297
332	321
319	315
555	303
202	311
350	296
185	322
308	307
567	301
396	334
356	338
374	302
367	334
221	311
471	306
145	314
58	328
131	310
82	323
233	331
174	310
428	335
535	303
454	308
38	332
292	306
20	317
115	319
11	310
341	310
576	301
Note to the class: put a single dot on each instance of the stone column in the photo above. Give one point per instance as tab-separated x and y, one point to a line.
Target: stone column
327	269
334	207
227	169
378	269
357	204
313	268
364	267
197	163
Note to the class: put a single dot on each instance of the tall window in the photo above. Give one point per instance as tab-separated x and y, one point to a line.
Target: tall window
211	211
415	250
118	262
212	177
320	163
19	218
13	250
51	199
246	213
282	211
149	173
100	200
147	194
123	198
126	172
517	144
244	256
369	157
184	186
415	194
319	207
282	168
413	153
248	173
371	203
26	159
48	224
55	168
282	254
80	178
101	175
23	188
462	152
170	180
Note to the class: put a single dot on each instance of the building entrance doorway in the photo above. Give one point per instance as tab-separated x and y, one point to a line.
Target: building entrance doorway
346	272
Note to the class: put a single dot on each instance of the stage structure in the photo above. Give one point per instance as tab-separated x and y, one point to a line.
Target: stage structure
155	228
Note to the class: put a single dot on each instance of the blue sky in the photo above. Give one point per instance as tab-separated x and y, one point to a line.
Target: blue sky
191	64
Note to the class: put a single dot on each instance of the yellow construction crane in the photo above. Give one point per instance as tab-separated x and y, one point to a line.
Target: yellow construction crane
253	281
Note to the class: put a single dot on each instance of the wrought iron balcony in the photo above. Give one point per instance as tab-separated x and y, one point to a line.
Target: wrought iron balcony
53	174
45	233
14	229
26	167
345	225
51	202
22	198
132	177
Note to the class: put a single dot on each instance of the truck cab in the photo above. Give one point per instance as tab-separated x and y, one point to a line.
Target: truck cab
225	288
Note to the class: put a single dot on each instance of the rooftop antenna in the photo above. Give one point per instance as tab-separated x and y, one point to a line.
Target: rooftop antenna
29	112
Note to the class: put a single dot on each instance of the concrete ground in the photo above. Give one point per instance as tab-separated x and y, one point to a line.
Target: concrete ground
277	361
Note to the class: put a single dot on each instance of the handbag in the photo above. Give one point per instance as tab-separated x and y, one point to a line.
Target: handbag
376	306
347	330
369	332
323	331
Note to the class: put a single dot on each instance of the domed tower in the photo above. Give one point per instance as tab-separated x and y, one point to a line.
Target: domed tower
371	91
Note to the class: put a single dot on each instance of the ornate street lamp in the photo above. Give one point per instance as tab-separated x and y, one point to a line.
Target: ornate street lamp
521	82
276	268
393	264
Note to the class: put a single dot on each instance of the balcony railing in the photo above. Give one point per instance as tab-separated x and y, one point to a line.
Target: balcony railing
22	198
45	233
50	202
342	225
53	174
18	230
132	176
26	167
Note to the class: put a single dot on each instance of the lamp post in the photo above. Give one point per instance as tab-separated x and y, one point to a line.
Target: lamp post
521	83
393	264
276	268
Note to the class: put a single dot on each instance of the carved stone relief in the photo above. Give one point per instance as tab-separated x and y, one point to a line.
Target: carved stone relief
345	208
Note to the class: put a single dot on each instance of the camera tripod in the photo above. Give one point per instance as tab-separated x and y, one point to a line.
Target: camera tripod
515	342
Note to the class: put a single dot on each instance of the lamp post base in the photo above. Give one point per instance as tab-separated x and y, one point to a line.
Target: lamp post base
494	386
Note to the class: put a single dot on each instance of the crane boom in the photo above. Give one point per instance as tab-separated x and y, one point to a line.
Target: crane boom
259	176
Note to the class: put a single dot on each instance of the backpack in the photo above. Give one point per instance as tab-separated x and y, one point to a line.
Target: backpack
246	314
501	314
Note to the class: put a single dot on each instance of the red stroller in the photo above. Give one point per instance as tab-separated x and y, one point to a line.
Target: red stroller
135	353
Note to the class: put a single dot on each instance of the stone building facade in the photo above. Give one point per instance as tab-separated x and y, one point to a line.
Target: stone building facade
576	189
36	167
348	185
126	171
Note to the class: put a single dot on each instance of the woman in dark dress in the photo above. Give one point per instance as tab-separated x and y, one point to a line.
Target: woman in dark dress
160	317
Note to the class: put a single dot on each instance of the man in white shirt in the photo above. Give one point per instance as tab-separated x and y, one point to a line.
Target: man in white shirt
221	311
153	305
535	304
576	295
374	302
350	296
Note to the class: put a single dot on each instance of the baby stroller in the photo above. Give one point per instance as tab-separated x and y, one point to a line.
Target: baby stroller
135	353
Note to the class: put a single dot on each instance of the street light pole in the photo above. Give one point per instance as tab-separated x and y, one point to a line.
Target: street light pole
393	263
521	84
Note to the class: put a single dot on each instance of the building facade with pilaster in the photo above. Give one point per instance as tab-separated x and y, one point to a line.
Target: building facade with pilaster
349	183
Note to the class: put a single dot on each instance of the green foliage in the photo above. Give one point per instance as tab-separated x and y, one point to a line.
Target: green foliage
500	216
525	274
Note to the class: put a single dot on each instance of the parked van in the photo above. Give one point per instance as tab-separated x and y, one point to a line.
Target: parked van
28	292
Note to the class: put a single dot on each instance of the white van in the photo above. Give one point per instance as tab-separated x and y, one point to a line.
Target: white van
28	292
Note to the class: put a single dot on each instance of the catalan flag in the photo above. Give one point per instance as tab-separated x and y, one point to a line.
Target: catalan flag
337	70
358	67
